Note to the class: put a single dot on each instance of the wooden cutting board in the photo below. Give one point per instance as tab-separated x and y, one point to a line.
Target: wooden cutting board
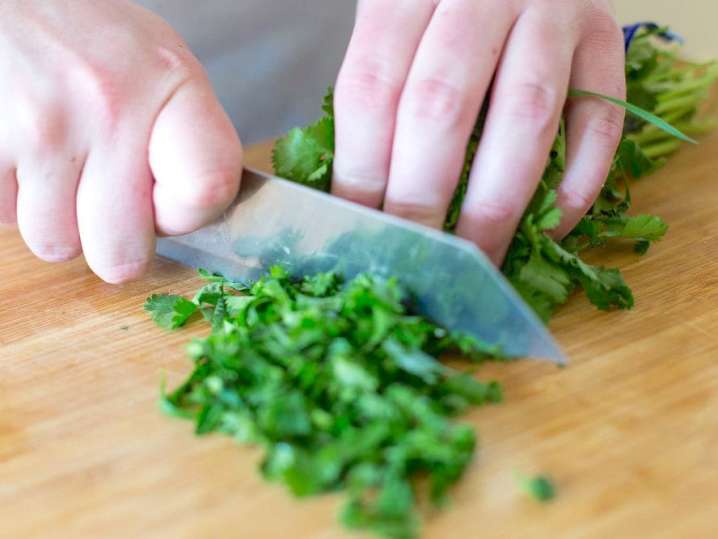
629	431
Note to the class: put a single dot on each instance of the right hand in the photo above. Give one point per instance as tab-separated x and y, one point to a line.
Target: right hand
110	133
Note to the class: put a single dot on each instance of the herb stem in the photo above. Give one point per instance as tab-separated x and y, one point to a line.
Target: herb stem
661	149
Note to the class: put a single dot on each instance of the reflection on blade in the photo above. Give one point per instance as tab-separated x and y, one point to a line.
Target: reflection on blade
278	222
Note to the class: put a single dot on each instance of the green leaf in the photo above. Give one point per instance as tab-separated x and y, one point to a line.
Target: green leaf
640	227
605	287
645	227
631	159
169	311
549	220
551	279
285	416
415	361
306	155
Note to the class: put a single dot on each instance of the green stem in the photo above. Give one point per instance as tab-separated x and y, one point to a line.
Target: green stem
648	135
688	86
688	101
675	116
661	149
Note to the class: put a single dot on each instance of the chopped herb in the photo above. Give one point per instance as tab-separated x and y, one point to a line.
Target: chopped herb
169	312
339	383
539	487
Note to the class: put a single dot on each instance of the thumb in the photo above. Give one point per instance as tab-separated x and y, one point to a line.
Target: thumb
196	159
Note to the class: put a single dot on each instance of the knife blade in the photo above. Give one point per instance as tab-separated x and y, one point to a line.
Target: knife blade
274	221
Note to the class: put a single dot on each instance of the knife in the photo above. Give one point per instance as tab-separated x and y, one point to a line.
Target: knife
274	221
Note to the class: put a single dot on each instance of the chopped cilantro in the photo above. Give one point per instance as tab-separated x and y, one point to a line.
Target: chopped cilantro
339	383
169	312
539	487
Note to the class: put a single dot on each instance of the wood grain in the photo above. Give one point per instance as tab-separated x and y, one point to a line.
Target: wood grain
629	430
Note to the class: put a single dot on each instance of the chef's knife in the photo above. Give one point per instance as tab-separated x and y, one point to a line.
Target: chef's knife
274	221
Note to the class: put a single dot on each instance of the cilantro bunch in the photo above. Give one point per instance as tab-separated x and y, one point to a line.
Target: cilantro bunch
338	382
662	90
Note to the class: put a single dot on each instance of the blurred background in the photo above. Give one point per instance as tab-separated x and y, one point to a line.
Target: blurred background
694	19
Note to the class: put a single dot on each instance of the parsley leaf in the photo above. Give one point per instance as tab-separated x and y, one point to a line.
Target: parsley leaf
168	311
306	155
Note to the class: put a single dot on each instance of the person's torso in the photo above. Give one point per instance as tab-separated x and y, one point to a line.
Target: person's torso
270	61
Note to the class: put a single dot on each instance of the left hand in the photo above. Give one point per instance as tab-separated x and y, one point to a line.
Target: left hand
413	81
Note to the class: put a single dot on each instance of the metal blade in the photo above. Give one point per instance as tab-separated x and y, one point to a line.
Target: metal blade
274	221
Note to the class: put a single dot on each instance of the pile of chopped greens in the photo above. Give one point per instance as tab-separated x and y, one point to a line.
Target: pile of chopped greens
340	383
545	272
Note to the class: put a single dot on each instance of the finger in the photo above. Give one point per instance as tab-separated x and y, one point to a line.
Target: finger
440	104
385	38
114	207
46	214
594	127
196	159
8	182
521	125
8	197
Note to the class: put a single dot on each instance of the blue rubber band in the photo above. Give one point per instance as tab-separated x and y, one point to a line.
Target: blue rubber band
630	31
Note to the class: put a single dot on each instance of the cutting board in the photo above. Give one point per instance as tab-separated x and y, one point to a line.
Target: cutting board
629	430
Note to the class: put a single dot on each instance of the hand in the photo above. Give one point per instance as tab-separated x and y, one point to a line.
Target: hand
110	132
413	81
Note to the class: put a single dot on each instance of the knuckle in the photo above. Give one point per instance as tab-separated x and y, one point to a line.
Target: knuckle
491	215
574	200
174	59
490	225
359	184
108	94
369	85
496	213
367	193
103	92
45	128
176	64
419	212
607	127
437	100
212	191
535	103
